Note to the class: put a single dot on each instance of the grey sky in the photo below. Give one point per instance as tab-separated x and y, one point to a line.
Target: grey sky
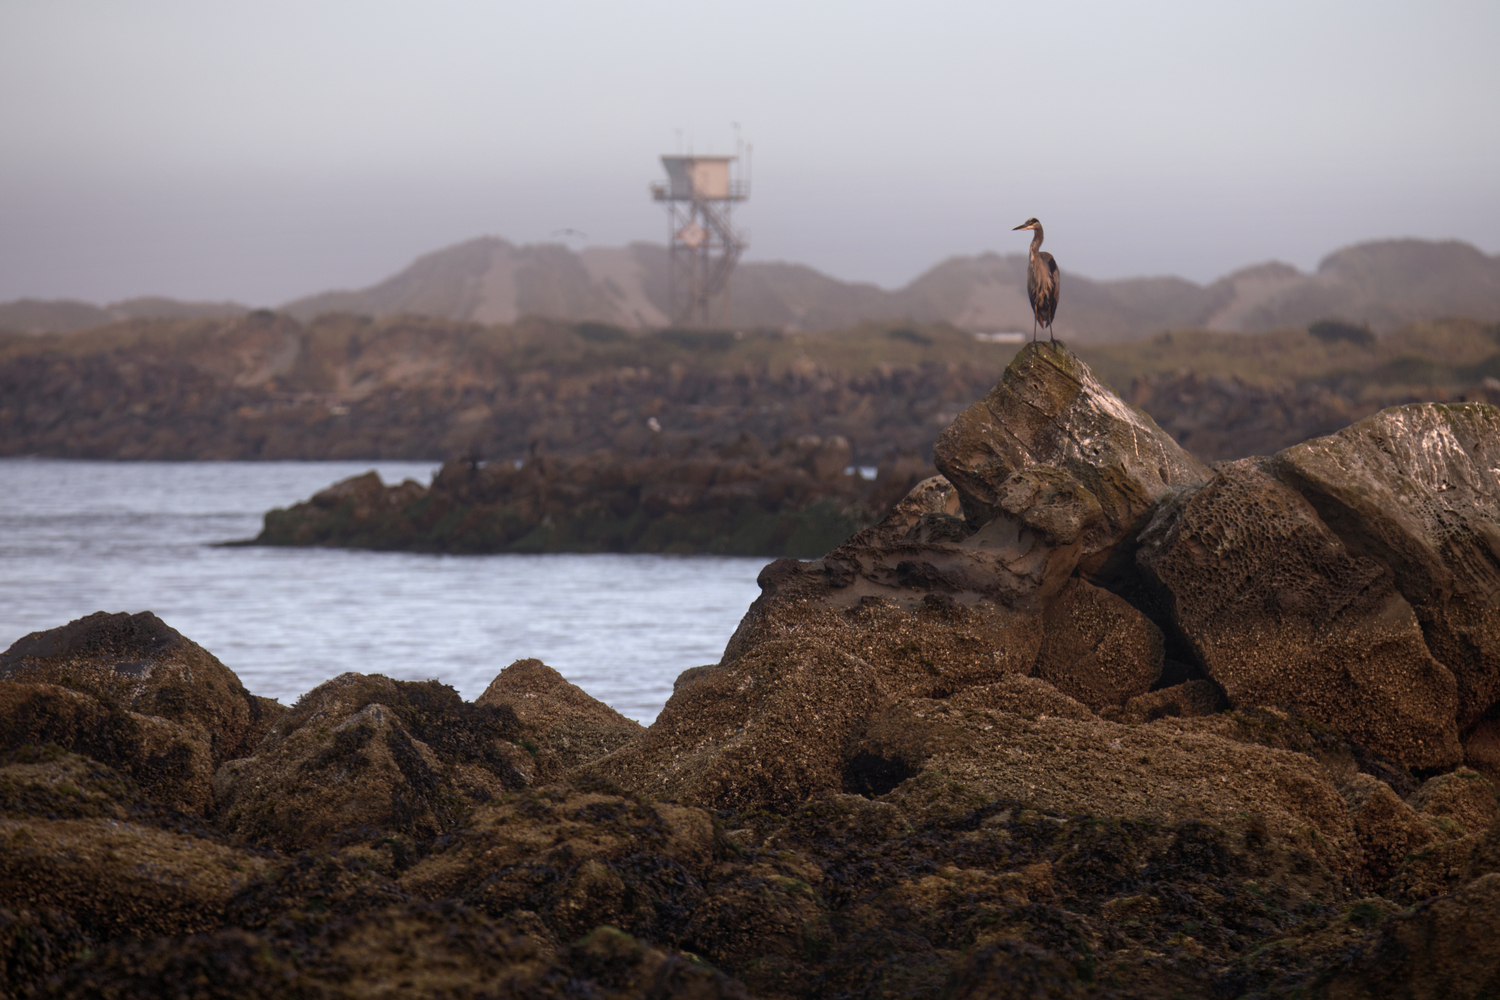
262	151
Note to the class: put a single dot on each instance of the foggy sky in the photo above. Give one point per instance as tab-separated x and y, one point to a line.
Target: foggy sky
263	151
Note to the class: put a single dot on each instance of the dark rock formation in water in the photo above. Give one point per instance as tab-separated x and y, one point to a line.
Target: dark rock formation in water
800	498
1095	722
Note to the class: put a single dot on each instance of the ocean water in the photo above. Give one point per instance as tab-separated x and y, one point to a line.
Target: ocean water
81	536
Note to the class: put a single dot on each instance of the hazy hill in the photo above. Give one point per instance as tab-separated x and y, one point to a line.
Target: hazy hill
1384	285
67	315
488	280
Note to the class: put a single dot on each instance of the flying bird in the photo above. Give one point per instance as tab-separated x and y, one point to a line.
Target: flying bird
1042	284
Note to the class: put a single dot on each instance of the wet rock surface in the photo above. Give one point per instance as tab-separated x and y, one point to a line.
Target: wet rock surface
1279	610
1066	725
1416	488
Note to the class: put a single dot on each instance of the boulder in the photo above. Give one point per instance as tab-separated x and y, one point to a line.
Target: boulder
1388	829
131	692
1052	446
1462	796
1161	772
913	611
1097	648
1444	949
567	726
1190	699
1020	695
150	668
1415	487
770	729
1280	611
367	758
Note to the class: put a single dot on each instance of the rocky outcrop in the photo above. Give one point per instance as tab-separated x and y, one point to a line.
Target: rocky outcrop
1072	543
1086	720
1417	488
133	693
1279	611
1054	450
366	753
967	581
560	724
997	837
800	498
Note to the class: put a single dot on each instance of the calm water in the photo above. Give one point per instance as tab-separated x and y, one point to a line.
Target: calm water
79	537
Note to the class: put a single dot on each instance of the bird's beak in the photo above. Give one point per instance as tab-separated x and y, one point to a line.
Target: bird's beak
1021	226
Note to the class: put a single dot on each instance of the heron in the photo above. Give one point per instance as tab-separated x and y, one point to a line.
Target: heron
1042	284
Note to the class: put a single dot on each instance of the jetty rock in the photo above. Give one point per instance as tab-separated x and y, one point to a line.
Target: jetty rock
799	496
1418	488
1080	717
1072	543
1278	610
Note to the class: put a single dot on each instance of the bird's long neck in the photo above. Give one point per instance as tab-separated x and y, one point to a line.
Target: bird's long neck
1036	241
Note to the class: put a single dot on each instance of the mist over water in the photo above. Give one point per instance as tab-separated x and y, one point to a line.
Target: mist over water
80	536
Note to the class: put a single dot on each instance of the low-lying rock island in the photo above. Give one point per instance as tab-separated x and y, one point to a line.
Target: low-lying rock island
1079	717
799	498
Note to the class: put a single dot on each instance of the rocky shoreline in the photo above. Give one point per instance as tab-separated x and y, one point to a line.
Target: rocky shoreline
268	387
1079	717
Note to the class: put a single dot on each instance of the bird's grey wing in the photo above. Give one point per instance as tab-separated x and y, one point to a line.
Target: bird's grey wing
1052	291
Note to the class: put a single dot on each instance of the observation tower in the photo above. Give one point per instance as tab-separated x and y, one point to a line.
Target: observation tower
702	243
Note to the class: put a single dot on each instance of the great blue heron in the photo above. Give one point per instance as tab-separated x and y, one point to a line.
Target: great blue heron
1042	284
